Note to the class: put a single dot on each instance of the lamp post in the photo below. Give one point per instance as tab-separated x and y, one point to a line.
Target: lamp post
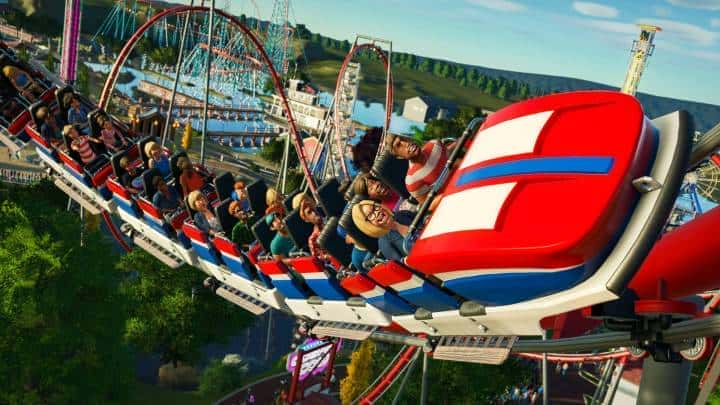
175	126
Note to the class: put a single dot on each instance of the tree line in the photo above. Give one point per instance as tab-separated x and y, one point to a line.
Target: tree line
498	86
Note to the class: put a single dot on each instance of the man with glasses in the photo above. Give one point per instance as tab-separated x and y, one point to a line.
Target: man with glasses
426	163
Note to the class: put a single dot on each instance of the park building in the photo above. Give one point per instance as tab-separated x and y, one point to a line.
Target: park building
424	109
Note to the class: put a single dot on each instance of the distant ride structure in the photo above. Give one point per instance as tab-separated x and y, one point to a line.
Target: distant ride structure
642	49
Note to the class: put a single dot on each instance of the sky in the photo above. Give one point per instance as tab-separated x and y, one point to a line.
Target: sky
581	39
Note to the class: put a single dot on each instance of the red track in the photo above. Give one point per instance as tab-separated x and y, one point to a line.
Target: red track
388	101
388	379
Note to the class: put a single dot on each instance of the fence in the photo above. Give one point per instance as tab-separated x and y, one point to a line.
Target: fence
16	176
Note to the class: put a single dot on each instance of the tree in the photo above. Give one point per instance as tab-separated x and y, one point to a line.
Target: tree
302	31
524	92
50	62
83	79
426	65
472	76
221	377
61	317
490	87
445	71
502	92
460	73
22	53
358	372
481	81
411	61
463	82
171	313
186	141
438	68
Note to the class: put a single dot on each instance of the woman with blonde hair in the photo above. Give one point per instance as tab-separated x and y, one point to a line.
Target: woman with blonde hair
204	218
23	82
157	159
375	220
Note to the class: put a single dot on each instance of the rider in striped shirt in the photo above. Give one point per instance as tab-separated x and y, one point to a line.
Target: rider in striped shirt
81	143
426	163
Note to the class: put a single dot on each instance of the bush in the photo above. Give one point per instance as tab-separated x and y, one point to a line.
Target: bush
221	377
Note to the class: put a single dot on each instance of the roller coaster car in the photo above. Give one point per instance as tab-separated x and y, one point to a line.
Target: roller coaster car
553	208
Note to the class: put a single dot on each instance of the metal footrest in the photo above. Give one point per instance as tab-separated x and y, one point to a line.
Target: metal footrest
242	300
77	195
475	349
161	254
343	330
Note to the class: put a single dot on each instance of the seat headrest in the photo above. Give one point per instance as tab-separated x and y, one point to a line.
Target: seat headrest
334	243
391	171
227	221
263	233
33	113
330	199
147	177
298	229
224	185
287	202
256	194
173	164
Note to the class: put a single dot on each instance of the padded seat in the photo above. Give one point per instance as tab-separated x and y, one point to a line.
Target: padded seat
330	199
235	260
263	233
227	221
201	244
391	171
313	271
283	279
334	244
298	229
224	185
256	192
412	288
382	299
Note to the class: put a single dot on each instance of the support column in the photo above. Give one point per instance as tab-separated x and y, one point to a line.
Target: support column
664	383
71	39
295	378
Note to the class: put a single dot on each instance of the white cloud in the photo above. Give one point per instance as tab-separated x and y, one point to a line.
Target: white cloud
500	5
707	55
595	9
610	26
715	22
662	11
702	4
684	31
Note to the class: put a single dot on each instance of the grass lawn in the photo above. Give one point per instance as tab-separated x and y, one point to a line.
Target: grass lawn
408	83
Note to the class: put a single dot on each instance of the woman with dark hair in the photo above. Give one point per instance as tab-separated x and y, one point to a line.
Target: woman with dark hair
376	190
364	151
